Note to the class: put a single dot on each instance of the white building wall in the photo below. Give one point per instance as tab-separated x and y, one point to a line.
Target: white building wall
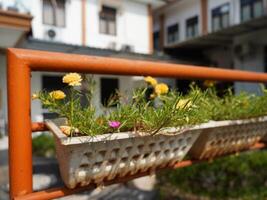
132	25
70	34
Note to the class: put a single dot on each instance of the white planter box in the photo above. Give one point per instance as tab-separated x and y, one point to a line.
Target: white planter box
84	160
230	136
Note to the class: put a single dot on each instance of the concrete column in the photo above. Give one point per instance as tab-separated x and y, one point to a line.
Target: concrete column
204	16
83	12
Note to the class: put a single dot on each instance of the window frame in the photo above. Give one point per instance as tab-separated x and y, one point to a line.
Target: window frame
173	33
54	78
156	40
107	18
54	13
217	12
250	3
192	22
105	97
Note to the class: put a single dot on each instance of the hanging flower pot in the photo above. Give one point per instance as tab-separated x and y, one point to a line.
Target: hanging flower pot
153	128
225	137
85	159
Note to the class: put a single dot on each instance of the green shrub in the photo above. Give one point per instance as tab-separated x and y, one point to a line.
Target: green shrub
43	145
233	177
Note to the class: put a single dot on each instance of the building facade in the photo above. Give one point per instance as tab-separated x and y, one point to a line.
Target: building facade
115	28
218	33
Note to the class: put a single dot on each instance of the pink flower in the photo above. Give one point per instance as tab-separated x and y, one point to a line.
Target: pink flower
114	124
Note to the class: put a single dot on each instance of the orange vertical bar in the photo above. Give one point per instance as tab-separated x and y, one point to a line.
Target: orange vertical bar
19	124
150	28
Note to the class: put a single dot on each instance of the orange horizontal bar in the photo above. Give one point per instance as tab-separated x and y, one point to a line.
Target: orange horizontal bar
39	126
48	61
63	191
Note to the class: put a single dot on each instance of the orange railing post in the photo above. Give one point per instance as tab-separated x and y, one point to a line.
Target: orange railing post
22	62
19	126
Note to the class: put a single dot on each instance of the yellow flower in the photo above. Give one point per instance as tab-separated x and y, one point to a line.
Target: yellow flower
183	103
73	79
161	88
57	94
245	103
151	81
209	83
67	130
35	96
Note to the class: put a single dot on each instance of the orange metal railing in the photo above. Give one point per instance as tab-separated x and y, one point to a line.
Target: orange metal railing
20	65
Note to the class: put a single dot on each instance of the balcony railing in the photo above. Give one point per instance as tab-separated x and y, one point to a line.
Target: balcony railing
20	65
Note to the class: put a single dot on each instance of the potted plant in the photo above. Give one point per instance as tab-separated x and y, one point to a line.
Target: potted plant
153	128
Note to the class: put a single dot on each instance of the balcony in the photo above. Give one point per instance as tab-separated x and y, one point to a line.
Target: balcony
223	37
13	27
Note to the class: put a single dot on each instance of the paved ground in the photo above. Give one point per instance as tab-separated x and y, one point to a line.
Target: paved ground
46	175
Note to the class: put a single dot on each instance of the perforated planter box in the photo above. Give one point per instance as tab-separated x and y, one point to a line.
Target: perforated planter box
224	137
84	160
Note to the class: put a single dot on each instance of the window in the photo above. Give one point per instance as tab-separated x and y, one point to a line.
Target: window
173	33
109	86
107	20
50	83
54	12
192	27
156	41
221	17
251	9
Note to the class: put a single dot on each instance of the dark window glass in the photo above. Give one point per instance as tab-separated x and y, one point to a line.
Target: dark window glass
251	9
109	86
107	20
54	12
221	17
156	41
192	27
173	33
50	83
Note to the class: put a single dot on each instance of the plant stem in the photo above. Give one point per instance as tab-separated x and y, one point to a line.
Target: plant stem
71	107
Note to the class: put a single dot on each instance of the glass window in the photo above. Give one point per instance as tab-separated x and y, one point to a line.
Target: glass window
50	83
156	41
258	9
54	12
192	27
221	17
246	13
173	33
251	9
107	20
109	86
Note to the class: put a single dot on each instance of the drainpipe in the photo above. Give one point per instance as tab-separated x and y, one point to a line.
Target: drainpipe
161	31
